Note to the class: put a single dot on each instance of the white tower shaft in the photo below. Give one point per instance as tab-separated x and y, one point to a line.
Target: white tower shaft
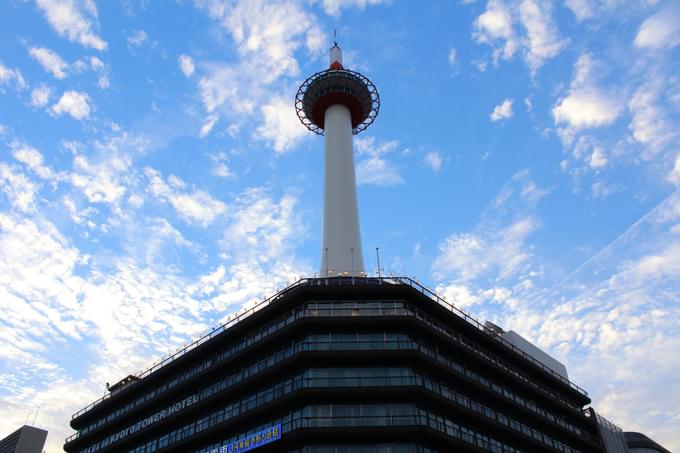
341	253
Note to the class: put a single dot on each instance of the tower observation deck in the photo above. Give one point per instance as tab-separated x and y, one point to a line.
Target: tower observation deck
338	103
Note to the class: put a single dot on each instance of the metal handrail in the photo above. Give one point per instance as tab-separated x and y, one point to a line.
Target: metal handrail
328	281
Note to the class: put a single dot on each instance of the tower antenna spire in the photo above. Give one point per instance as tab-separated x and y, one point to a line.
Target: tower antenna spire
335	38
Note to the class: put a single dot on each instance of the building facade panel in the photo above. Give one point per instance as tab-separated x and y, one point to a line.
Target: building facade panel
339	358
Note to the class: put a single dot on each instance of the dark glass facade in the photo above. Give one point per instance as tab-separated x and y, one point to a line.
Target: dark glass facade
344	365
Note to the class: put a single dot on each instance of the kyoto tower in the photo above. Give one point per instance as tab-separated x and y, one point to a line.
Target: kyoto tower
338	103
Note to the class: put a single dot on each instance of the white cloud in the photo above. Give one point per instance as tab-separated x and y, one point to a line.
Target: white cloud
186	65
50	61
220	85
40	96
582	9
137	38
434	160
54	64
495	24
334	7
103	82
674	175
602	190
262	228
538	37
267	36
196	206
543	38
586	105
74	103
96	64
453	57
220	167
459	295
468	256
208	125
104	180
502	111
74	19
497	248
585	109
369	146
378	171
32	158
118	318
598	158
14	76
662	30
281	126
79	216
651	124
20	190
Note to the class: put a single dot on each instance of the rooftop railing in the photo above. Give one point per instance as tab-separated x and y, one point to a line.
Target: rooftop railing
335	281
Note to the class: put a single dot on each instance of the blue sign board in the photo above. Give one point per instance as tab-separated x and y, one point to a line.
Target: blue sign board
254	440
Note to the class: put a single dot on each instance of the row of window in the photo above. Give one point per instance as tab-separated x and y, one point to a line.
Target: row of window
353	377
360	341
394	415
344	309
478	350
384	307
314	309
353	341
398	415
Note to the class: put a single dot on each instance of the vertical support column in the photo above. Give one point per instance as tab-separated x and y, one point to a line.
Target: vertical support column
341	251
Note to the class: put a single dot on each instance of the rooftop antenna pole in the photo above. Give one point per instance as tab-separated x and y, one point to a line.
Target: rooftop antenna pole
352	252
377	254
36	415
326	250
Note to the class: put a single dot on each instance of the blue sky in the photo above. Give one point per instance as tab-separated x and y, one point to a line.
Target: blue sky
154	180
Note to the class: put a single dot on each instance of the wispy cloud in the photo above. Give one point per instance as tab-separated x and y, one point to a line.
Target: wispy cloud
661	30
498	246
335	7
40	96
50	61
586	105
193	205
502	111
73	103
9	76
137	38
186	65
525	25
74	19
376	169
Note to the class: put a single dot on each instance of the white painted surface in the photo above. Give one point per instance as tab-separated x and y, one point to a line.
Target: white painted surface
536	352
335	55
341	250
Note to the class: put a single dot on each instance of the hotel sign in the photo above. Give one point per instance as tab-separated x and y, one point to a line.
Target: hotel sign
252	441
